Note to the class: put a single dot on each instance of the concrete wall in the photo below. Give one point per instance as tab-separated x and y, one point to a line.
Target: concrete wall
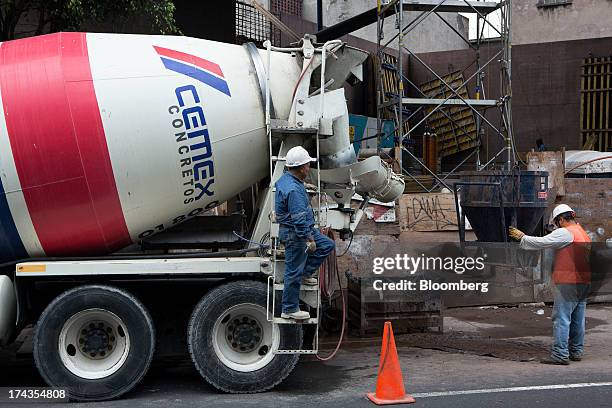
592	201
546	86
582	19
430	35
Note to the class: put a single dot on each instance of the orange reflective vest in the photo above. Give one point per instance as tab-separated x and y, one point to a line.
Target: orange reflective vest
572	262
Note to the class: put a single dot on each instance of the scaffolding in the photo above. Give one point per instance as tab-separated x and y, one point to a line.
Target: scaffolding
450	91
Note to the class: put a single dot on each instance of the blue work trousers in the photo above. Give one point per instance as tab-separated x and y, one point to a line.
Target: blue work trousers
568	319
300	264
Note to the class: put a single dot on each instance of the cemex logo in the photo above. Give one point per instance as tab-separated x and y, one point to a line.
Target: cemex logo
194	67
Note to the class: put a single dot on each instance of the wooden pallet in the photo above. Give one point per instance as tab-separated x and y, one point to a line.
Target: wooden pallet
595	109
458	134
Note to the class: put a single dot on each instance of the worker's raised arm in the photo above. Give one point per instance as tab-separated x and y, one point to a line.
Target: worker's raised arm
300	213
559	238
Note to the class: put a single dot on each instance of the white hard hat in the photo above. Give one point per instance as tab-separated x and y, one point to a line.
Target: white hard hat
560	209
297	156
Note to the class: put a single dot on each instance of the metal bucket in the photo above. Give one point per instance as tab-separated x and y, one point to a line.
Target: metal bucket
494	200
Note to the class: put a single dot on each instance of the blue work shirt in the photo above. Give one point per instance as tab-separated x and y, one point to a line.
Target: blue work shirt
292	205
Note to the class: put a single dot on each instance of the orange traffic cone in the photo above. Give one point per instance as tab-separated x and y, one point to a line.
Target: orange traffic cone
390	384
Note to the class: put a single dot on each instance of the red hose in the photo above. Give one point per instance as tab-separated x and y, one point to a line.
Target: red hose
325	285
300	78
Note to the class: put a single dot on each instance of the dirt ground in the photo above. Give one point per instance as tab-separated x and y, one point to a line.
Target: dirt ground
516	333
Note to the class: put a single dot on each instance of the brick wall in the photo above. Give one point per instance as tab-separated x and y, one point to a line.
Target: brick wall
592	200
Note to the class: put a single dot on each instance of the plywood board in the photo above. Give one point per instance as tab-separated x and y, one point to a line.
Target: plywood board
427	212
554	164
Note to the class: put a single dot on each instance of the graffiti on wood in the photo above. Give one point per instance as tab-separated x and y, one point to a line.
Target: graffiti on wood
428	212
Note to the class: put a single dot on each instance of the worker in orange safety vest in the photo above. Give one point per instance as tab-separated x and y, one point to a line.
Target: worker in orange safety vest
571	278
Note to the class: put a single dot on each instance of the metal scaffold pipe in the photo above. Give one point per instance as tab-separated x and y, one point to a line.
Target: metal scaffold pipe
428	113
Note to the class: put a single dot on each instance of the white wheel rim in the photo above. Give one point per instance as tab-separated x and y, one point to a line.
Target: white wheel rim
94	344
240	346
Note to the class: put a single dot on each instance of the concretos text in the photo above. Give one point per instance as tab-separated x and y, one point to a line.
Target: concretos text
194	145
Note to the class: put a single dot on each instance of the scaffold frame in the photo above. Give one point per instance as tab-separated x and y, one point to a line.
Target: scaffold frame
395	107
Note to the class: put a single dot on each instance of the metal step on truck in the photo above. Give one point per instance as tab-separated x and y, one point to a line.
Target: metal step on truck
108	142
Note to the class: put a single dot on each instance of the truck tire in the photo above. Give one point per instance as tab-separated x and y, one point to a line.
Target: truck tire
231	342
97	342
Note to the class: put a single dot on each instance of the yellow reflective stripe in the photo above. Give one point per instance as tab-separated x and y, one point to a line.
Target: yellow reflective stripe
32	268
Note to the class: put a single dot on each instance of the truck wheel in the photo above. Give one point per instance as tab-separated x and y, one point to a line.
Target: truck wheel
97	342
232	343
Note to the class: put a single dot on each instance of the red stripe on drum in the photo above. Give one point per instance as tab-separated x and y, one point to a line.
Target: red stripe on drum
190	59
59	146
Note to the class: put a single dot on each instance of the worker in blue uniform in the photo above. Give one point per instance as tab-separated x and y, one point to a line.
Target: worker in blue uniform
305	247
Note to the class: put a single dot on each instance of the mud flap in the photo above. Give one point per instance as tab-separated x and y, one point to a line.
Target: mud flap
8	309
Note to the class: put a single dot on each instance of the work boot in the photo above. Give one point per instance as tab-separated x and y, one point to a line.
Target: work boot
297	315
554	361
310	281
576	357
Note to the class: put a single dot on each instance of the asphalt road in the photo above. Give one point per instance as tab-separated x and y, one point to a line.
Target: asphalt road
429	368
583	397
345	383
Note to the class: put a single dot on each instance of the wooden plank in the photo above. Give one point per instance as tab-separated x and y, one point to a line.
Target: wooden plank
582	136
450	137
438	118
608	111
447	140
463	128
446	131
452	78
464	140
452	125
593	104
588	103
597	95
588	98
390	84
427	212
411	186
600	102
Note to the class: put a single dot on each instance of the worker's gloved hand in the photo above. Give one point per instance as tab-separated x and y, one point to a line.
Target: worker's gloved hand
515	233
310	188
311	246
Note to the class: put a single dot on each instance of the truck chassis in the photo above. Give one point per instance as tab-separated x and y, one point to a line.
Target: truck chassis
98	338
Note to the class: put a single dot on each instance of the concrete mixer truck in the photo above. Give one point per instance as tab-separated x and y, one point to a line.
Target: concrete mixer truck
106	140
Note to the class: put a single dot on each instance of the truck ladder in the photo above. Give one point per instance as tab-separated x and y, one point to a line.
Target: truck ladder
281	129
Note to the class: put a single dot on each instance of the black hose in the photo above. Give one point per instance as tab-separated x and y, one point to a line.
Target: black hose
118	257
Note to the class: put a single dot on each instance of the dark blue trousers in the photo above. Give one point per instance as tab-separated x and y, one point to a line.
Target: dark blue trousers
300	264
